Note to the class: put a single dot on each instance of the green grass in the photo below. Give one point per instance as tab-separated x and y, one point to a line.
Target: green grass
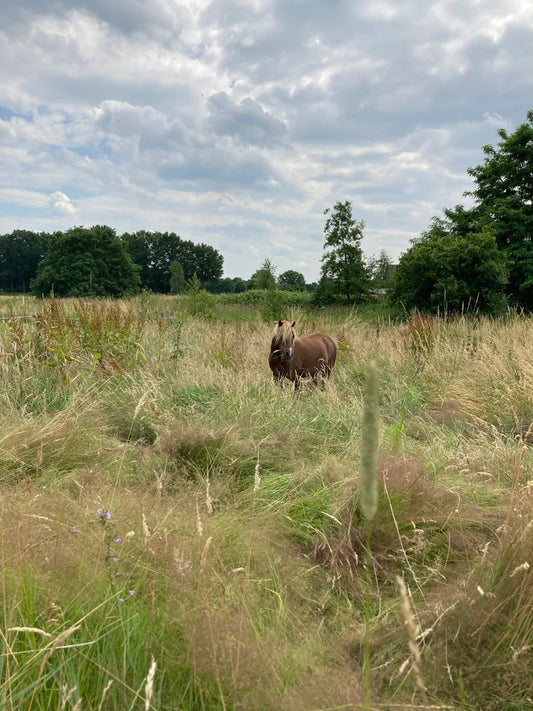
241	562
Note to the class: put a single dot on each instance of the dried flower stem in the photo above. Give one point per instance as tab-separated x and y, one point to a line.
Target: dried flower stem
208	499
204	553
199	525
257	476
104	694
147	535
36	630
412	630
149	686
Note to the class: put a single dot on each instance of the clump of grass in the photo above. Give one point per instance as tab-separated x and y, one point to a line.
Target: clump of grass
482	631
47	448
130	410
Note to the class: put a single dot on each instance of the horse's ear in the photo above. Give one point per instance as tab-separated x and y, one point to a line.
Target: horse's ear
280	323
293	324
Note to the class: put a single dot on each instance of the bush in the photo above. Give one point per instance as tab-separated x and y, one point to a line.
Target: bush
449	272
274	305
198	302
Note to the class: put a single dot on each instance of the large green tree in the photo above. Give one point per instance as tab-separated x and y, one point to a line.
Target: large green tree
177	278
264	277
155	251
205	261
86	262
450	272
20	254
291	280
379	270
504	199
344	276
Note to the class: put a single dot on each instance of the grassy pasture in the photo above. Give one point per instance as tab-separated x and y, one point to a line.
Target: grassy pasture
177	532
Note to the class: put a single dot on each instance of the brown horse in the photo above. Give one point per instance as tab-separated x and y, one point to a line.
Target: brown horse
294	358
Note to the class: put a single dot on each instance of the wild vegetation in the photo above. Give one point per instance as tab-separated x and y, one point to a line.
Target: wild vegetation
178	532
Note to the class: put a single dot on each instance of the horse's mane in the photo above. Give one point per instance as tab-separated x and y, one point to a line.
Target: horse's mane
283	333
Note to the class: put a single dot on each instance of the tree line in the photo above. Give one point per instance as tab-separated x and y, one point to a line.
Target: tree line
96	261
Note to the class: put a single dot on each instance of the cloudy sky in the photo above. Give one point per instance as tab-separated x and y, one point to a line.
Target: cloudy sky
236	123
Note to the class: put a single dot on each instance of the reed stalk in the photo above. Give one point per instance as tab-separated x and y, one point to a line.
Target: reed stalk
369	501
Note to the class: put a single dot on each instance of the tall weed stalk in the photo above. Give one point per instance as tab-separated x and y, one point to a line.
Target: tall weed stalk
369	500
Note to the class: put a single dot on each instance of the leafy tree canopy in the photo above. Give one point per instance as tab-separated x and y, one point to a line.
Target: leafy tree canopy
239	285
451	272
264	277
504	199
503	209
344	276
227	285
177	278
20	254
379	270
291	281
86	262
155	251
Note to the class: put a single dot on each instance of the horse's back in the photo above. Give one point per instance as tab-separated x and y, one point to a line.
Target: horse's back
327	342
317	352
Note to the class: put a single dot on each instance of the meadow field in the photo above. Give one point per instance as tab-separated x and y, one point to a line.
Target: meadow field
180	533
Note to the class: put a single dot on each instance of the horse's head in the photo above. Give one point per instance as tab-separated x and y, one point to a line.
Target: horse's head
283	338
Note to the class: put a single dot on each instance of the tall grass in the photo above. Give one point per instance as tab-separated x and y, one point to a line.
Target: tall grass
230	572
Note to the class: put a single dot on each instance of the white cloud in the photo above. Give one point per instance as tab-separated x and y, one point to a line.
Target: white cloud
60	203
24	198
247	121
237	123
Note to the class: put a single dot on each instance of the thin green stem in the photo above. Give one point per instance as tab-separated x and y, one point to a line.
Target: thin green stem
368	583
